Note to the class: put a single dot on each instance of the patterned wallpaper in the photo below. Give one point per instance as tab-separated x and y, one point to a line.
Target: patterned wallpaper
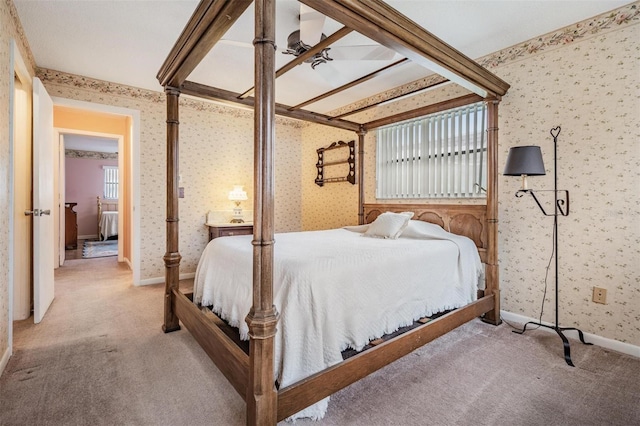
10	28
76	153
584	78
334	204
590	88
216	152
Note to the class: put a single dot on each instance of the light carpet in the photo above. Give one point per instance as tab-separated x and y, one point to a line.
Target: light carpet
100	358
93	249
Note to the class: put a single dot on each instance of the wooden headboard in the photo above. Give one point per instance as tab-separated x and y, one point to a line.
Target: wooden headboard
469	220
106	206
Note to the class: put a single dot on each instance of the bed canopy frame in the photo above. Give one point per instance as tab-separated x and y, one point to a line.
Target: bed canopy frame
252	375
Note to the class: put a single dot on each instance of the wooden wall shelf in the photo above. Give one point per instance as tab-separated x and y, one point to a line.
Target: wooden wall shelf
350	161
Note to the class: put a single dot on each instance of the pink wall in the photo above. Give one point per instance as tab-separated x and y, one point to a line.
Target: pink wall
84	182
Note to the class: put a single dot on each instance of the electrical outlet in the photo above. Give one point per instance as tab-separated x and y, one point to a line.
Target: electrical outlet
600	295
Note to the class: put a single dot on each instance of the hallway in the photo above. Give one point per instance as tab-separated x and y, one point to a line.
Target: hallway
99	357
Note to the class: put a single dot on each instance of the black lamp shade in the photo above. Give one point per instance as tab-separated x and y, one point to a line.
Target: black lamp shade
524	160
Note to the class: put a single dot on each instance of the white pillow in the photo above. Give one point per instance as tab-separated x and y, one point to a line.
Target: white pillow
421	230
356	228
389	225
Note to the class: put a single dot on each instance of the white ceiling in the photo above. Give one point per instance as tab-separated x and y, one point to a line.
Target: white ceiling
127	41
90	143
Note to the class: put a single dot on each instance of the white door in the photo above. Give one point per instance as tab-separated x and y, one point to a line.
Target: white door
43	201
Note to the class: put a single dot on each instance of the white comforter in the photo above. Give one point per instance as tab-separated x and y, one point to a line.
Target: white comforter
108	225
336	289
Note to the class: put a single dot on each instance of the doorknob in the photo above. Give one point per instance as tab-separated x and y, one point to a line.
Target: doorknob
37	212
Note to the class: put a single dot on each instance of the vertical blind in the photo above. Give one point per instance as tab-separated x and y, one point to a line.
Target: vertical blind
439	155
110	182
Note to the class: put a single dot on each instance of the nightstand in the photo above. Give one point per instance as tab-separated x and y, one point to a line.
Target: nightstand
229	229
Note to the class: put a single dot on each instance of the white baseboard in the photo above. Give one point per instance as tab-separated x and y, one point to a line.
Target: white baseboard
88	237
614	345
4	360
159	280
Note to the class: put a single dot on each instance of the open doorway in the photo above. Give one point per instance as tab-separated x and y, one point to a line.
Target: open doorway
94	146
91	188
21	170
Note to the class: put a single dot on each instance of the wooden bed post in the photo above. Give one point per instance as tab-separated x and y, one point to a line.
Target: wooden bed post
172	256
361	134
262	396
492	272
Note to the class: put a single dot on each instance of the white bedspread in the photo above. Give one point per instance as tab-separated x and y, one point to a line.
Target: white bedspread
336	289
108	224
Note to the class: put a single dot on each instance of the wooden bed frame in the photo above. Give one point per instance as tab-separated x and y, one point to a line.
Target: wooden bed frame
253	375
469	220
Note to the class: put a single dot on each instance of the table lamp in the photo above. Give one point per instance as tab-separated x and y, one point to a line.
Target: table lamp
237	195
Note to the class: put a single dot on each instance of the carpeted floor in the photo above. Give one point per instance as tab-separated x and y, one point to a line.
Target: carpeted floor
93	249
100	358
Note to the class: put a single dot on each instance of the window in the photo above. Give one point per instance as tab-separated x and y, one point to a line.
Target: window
110	182
441	155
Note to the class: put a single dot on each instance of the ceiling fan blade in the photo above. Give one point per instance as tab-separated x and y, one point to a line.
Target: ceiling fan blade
362	53
236	43
328	73
242	44
311	24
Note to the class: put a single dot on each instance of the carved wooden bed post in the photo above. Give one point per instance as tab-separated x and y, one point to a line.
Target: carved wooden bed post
172	256
262	396
253	375
361	134
492	271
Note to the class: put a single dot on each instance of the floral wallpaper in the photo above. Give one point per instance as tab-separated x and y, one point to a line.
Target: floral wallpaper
216	152
10	29
583	78
76	153
334	204
590	89
600	24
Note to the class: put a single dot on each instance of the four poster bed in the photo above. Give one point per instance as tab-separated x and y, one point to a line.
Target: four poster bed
259	374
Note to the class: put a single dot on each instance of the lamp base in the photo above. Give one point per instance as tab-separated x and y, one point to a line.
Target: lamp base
559	330
237	214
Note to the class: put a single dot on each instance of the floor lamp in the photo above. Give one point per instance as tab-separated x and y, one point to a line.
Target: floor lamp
527	161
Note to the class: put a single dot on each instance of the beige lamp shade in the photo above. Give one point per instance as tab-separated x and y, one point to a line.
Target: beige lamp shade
238	194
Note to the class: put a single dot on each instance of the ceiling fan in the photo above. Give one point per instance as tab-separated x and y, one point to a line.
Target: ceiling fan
296	47
310	34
